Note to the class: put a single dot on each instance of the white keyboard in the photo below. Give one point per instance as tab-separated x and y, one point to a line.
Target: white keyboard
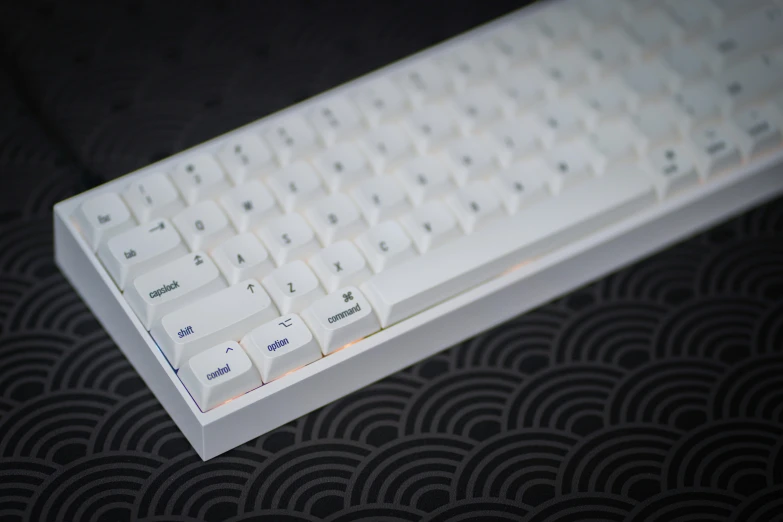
276	268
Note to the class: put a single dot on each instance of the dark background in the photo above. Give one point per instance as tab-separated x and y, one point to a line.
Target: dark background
653	394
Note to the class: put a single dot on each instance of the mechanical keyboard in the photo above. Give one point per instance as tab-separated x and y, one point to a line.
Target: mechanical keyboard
278	267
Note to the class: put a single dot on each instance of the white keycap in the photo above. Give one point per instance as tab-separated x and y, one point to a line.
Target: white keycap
477	108
611	49
290	139
385	245
334	218
716	148
524	88
203	226
245	157
691	62
386	146
475	205
509	46
560	120
573	162
218	375
424	178
601	12
562	26
759	129
608	100
742	36
341	318
430	226
425	82
380	198
515	140
700	102
522	185
470	158
249	205
335	119
381	101
342	166
199	177
167	287
425	281
618	142
568	68
136	251
673	168
693	16
340	264
293	287
658	123
431	126
102	217
287	238
243	257
648	81
281	346
152	197
654	29
467	65
228	315
752	80
295	186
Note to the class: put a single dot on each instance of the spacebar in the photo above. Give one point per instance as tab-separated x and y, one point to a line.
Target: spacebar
416	285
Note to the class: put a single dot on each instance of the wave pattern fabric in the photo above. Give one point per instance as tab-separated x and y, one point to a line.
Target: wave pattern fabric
655	393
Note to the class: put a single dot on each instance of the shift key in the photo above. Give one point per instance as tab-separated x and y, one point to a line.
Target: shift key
226	315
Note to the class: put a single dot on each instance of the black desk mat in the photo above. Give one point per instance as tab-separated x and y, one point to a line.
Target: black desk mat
653	394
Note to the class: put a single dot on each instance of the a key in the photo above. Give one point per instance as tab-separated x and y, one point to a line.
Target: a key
423	83
470	158
334	218
430	225
152	197
699	102
424	178
431	127
281	346
290	139
658	123
199	178
673	169
340	264
341	318
654	29
478	108
694	16
295	186
243	257
227	314
524	88
742	36
244	157
515	140
342	166
608	101
509	46
102	217
167	287
573	162
385	245
249	205
475	205
386	146
133	252
522	185
618	142
380	198
759	129
568	68
648	81
562	26
293	287
335	119
381	101
691	62
611	50
601	12
203	226
287	238
716	148
751	80
560	120
218	375
467	65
